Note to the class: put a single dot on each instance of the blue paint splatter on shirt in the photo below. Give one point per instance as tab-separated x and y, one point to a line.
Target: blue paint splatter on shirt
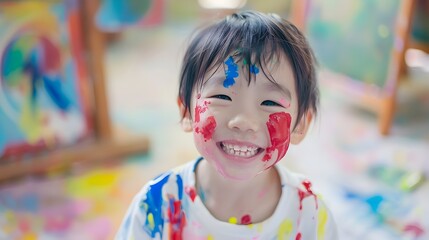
154	203
230	73
179	186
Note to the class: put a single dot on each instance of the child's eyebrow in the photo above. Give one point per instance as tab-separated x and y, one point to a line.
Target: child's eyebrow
273	86
214	80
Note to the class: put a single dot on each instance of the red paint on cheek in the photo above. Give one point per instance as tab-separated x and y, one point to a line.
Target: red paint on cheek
279	128
208	128
308	192
199	109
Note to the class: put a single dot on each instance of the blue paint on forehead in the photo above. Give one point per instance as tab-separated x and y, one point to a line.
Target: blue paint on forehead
254	69
230	73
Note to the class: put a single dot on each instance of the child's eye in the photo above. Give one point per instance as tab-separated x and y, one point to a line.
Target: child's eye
270	103
223	97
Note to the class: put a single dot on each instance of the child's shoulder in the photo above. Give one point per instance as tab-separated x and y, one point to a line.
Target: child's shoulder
172	183
292	179
298	188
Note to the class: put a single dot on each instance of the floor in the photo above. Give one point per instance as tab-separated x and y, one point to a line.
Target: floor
374	185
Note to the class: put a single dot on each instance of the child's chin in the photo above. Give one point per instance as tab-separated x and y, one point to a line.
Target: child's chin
238	176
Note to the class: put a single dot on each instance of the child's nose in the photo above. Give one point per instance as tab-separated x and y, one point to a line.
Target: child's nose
241	122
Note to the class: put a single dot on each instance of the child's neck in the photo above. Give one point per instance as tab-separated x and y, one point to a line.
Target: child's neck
229	200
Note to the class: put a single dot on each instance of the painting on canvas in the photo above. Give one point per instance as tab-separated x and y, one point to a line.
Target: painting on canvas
43	82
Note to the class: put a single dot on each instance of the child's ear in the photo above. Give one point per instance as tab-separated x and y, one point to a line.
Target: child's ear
186	121
301	128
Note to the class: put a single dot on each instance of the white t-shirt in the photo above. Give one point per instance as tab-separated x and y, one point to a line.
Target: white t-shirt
168	207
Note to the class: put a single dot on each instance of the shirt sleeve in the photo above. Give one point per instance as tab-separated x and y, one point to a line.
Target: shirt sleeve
133	224
326	226
316	221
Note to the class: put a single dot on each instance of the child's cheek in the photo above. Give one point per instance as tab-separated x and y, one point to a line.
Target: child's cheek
204	124
279	129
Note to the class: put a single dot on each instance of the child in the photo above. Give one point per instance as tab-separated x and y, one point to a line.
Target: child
247	89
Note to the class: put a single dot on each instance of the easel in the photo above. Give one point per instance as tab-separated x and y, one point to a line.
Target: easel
109	142
382	101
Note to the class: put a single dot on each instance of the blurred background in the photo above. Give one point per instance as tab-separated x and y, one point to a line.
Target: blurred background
88	110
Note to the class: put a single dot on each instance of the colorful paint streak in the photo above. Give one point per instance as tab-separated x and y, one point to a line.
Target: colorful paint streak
199	109
246	219
285	230
254	69
279	129
304	194
177	219
322	219
232	220
207	129
154	224
230	73
415	228
69	206
190	190
42	77
113	15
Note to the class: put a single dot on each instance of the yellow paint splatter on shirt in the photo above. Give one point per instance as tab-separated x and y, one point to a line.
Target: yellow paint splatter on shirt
151	221
210	237
322	219
232	220
285	229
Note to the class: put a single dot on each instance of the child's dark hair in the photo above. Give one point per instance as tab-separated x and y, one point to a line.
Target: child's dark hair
256	38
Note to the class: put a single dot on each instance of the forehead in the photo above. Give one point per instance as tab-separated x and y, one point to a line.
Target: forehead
274	73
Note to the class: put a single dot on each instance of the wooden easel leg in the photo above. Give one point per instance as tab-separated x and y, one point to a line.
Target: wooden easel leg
386	112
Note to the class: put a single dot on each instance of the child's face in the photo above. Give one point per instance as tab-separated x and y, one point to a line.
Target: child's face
243	129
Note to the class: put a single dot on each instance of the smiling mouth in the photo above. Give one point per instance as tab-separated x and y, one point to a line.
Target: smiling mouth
243	151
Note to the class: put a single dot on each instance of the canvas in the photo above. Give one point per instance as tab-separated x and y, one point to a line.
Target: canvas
43	82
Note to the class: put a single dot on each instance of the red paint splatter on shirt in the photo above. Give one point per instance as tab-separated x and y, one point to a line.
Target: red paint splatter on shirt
298	236
414	228
191	192
304	194
279	128
246	219
177	219
207	129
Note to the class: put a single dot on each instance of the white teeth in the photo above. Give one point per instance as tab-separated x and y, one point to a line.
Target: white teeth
242	151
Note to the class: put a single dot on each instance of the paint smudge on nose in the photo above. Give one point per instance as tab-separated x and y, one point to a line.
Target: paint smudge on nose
230	73
246	219
191	192
207	129
199	109
254	69
279	128
303	194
